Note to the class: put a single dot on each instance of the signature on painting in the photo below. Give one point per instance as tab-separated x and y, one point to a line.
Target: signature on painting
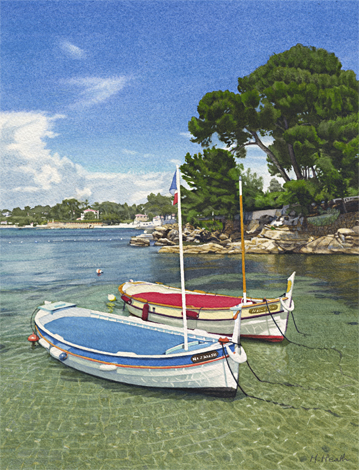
328	458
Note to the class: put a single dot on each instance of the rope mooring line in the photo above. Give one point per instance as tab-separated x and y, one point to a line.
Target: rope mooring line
32	320
310	347
283	405
300	332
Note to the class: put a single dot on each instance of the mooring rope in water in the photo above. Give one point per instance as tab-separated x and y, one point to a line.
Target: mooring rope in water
300	332
310	347
287	384
32	320
284	405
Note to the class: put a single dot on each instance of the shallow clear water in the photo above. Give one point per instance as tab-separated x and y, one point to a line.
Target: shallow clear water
303	413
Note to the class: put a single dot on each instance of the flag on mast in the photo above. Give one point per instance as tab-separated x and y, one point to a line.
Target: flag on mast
174	189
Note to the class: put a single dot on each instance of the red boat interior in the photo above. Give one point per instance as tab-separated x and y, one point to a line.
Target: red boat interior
192	300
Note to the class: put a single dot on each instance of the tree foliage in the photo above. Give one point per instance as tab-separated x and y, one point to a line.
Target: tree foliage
274	186
68	209
212	178
158	205
307	105
71	209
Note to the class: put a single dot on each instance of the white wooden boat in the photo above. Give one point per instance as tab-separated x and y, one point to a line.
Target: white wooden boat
132	351
264	319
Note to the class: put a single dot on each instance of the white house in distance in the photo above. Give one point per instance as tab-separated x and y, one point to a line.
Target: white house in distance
141	218
95	214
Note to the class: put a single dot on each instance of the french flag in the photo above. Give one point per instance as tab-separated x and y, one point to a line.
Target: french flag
173	189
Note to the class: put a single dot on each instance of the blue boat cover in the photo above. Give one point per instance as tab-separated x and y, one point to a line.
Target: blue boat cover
113	336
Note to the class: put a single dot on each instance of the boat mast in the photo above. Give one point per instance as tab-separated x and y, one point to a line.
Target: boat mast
242	242
181	259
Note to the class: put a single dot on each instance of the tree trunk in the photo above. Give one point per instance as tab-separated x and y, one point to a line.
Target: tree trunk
314	173
271	156
294	163
293	160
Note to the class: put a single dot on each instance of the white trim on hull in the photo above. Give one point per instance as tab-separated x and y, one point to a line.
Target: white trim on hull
255	327
212	375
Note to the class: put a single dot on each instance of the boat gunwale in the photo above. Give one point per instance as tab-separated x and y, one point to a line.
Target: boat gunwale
212	309
257	304
152	326
131	320
133	366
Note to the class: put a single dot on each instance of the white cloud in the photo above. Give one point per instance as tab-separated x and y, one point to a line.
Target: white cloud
129	152
26	189
72	51
32	174
267	140
94	90
186	134
82	194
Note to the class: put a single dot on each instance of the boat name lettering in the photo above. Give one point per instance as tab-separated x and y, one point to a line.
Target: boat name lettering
264	309
204	356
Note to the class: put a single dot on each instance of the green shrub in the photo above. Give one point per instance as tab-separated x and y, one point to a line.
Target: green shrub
324	219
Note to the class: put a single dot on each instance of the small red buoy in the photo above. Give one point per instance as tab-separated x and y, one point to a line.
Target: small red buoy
33	338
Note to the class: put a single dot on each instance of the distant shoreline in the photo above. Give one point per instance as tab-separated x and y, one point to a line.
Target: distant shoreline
64	227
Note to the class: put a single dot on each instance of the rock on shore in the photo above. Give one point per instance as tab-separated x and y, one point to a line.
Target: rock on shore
271	239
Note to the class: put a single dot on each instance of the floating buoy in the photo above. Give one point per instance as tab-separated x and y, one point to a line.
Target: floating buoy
111	297
63	356
33	338
99	271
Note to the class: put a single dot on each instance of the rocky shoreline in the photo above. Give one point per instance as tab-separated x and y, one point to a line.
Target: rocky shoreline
262	239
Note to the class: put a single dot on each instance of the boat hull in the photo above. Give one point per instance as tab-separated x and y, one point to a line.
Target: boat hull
206	368
261	320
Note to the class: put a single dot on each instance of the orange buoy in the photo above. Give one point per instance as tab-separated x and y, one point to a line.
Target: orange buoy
99	271
33	338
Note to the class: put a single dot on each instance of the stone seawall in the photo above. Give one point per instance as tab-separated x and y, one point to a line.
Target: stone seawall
343	221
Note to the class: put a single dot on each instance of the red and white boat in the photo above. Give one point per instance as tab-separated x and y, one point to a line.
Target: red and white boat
264	319
261	318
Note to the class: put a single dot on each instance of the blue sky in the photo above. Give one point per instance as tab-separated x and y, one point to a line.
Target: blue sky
96	95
